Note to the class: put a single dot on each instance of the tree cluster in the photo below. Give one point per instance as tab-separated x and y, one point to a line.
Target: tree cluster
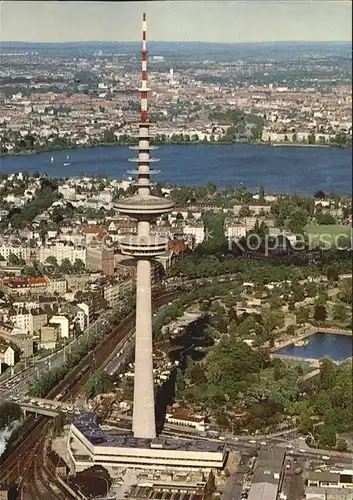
9	412
100	383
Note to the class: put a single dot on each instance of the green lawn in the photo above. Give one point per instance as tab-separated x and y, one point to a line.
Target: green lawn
331	232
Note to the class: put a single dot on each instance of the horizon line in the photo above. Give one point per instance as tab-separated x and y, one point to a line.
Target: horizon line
176	41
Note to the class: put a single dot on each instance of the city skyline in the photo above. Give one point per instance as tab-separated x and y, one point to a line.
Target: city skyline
221	21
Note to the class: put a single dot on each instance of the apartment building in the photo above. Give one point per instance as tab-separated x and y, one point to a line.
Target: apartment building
38	318
88	309
331	479
80	317
28	321
63	324
20	320
58	286
195	229
7	355
234	230
60	251
19	251
48	336
68	192
111	293
255	208
126	285
25	343
21	285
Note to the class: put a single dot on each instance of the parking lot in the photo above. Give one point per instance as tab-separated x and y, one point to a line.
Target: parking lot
164	493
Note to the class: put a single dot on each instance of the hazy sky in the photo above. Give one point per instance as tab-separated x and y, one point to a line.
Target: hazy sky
212	21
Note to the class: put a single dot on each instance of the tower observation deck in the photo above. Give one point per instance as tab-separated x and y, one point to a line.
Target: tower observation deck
144	207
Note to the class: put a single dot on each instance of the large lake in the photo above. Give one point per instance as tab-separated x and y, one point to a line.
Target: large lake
281	169
337	347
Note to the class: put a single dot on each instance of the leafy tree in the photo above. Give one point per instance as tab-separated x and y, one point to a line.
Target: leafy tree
52	261
342	445
65	266
345	293
210	487
325	219
222	419
179	217
298	221
244	212
291	305
320	313
332	274
14	260
302	315
197	374
211	188
9	412
328	436
59	422
273	319
327	374
78	266
311	139
278	368
340	313
306	424
99	384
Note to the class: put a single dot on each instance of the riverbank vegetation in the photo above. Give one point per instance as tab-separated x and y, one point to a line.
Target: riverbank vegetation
240	127
30	144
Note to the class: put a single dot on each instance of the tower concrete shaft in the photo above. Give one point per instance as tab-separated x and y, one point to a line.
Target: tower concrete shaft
144	246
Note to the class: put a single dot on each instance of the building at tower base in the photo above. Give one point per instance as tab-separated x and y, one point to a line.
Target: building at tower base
88	445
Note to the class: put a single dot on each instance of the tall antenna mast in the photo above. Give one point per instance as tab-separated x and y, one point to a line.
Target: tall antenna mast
144	246
144	90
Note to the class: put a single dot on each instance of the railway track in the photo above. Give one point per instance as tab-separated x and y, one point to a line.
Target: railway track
26	465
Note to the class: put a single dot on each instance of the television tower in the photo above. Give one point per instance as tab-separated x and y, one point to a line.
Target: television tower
144	247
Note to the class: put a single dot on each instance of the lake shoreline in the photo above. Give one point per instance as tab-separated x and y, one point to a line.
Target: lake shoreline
184	143
280	170
112	144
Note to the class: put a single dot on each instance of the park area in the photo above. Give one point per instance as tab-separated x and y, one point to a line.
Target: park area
330	234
